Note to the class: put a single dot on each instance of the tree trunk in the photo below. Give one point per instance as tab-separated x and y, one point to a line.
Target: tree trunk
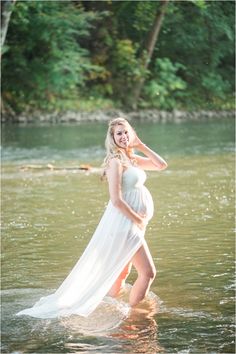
6	10
149	48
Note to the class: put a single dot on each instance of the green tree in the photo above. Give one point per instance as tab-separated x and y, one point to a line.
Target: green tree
44	63
60	52
149	46
202	39
165	86
6	10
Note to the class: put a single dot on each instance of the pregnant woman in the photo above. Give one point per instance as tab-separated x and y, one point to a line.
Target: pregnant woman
118	242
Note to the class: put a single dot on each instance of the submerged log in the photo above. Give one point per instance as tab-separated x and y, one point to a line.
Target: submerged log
82	167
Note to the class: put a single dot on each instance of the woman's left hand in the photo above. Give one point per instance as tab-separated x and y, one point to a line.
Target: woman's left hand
136	142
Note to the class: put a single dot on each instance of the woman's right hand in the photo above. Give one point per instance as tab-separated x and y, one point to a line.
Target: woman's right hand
142	221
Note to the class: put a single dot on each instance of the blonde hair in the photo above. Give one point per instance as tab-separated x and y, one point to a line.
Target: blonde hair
112	150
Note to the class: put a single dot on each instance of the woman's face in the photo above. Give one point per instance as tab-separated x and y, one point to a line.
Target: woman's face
122	136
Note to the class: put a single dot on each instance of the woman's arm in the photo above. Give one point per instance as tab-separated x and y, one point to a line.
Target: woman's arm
114	176
152	161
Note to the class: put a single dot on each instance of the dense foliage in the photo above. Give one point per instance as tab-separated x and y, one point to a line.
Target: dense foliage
90	54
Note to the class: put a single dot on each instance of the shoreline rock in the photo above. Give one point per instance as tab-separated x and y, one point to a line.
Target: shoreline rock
148	115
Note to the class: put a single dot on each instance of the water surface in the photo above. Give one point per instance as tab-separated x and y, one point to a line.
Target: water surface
50	215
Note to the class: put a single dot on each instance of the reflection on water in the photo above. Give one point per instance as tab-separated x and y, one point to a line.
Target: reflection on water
49	217
115	326
139	332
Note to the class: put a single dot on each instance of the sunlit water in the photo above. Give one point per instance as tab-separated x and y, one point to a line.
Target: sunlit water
49	216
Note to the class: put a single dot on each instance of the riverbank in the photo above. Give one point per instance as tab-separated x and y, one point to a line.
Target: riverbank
149	115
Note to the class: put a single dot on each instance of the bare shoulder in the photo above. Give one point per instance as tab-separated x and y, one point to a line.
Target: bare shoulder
114	161
114	165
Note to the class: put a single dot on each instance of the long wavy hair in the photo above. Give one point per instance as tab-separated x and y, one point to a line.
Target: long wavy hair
113	150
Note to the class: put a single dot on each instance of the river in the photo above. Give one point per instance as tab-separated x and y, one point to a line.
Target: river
50	214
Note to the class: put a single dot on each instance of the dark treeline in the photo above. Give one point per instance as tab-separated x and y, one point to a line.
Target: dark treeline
61	55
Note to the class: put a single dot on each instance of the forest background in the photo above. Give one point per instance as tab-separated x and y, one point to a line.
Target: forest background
89	55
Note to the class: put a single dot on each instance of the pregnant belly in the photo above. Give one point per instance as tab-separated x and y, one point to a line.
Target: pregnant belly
140	200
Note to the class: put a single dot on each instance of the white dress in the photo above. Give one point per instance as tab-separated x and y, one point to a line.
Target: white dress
114	243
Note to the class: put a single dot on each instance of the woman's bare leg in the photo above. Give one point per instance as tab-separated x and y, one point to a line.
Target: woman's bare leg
145	267
120	281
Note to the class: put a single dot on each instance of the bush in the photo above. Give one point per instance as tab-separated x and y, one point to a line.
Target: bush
44	63
165	86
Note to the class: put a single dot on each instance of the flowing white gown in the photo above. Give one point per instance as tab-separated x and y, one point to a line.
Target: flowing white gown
114	243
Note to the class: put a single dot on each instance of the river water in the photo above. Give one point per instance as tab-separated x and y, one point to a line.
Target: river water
49	216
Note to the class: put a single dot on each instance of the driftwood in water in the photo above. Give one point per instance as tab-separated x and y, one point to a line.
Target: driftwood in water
83	167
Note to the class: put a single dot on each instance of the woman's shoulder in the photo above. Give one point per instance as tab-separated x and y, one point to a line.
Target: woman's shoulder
114	161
